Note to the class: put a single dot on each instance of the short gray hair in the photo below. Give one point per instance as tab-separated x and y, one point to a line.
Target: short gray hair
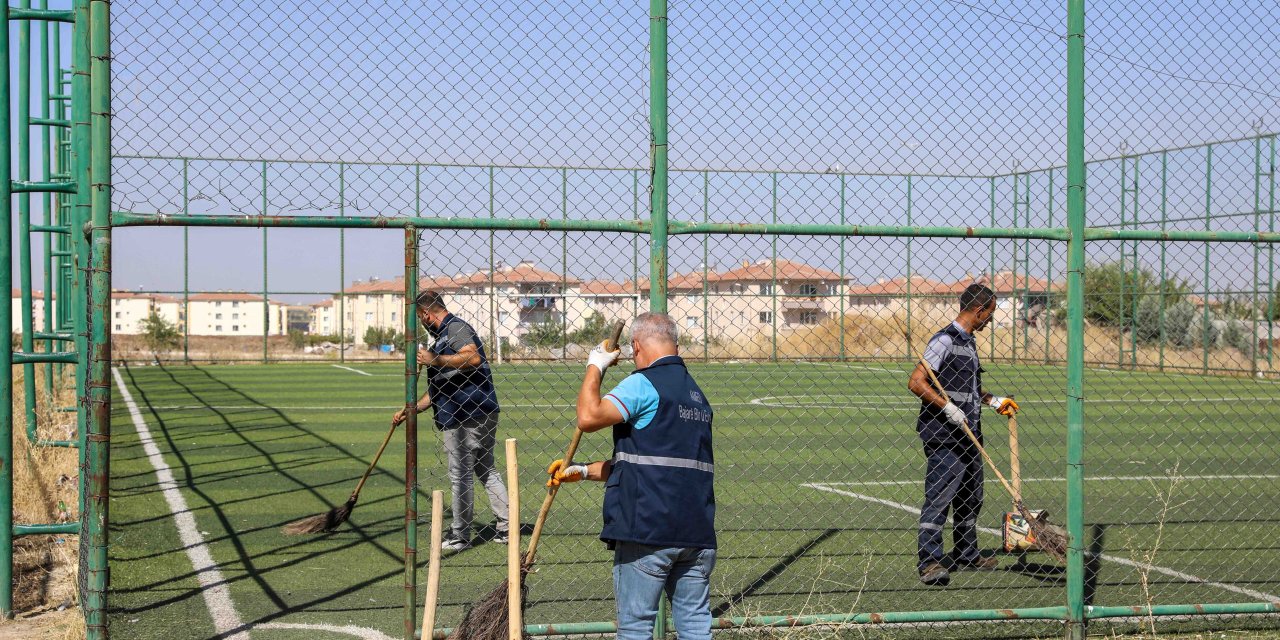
655	326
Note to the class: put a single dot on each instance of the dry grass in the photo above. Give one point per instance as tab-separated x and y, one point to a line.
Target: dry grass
888	335
45	491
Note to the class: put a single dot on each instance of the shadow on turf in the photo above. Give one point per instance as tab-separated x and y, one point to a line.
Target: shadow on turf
772	572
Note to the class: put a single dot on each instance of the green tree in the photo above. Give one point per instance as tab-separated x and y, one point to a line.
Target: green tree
594	330
378	336
546	333
1111	290
159	334
1177	322
296	339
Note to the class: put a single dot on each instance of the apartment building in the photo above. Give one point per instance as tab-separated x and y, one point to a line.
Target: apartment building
234	313
37	310
129	309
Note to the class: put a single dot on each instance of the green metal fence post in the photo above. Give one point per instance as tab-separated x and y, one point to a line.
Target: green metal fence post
266	302
1076	623
1208	216
910	271
991	271
842	287
341	306
773	276
564	265
658	156
493	293
79	216
658	194
706	259
24	219
186	268
6	344
98	389
1164	220
410	433
1048	270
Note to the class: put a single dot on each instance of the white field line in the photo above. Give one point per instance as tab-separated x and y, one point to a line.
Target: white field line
214	589
899	402
1172	573
237	407
857	367
366	373
897	483
364	633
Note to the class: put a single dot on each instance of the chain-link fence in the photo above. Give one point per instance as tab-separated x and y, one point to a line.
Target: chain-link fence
836	177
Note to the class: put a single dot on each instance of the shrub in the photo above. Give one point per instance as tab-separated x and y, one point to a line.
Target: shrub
159	334
1177	323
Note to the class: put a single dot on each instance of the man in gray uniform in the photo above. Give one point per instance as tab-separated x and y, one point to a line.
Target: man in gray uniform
953	476
460	389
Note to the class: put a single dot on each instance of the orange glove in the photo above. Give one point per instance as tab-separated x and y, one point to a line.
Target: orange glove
1003	406
560	472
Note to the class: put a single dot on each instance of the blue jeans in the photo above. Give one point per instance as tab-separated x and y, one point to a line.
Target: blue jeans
952	482
641	574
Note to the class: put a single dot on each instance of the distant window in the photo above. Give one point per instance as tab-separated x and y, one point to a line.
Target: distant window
218	304
235	327
809	317
117	314
691	322
691	298
766	317
235	304
808	290
217	316
736	288
742	317
117	326
368	298
393	317
218	328
503	316
766	289
235	316
368	316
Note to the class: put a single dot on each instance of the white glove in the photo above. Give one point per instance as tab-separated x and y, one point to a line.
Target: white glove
1003	406
954	414
603	359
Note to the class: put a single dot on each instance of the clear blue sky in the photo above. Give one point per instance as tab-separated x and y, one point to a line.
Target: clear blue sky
931	87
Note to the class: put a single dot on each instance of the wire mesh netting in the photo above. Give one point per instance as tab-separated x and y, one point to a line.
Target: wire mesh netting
917	116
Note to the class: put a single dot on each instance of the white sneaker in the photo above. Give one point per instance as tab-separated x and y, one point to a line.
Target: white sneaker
500	538
454	543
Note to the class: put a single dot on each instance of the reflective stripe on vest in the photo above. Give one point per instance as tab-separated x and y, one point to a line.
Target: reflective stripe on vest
662	461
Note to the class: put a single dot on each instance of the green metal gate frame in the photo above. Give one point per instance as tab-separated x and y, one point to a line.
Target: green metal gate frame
79	223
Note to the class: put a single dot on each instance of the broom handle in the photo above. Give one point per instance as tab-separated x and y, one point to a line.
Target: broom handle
972	438
515	625
1015	462
360	485
433	570
610	344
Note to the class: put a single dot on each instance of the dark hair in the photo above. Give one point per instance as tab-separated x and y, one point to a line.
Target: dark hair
430	300
976	296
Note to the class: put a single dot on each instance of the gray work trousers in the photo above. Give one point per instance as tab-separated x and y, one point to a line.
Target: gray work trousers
470	450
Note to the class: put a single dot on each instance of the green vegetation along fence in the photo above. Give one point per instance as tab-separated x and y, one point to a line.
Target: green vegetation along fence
804	187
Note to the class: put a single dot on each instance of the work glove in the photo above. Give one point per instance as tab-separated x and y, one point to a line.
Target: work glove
1003	406
560	472
955	415
603	358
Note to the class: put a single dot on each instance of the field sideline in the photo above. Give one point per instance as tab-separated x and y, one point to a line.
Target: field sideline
818	474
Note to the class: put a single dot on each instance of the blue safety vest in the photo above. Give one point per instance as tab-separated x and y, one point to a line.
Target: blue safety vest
659	491
458	395
961	376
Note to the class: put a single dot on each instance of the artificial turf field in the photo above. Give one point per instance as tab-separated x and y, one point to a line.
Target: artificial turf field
818	471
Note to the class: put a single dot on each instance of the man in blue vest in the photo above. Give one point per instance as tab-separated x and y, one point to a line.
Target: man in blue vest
460	388
953	476
659	505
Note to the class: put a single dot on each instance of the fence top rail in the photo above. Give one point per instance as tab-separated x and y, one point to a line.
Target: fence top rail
135	219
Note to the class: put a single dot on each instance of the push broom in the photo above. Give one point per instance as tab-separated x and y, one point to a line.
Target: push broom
1048	537
333	518
488	618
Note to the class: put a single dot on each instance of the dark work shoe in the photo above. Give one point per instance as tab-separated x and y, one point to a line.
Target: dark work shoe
935	575
500	538
981	563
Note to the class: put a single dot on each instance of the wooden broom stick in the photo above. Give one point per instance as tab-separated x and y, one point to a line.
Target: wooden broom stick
515	626
433	570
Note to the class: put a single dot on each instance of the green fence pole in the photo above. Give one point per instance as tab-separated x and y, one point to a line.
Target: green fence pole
266	301
564	266
186	268
78	214
658	156
991	271
411	433
493	293
342	267
1254	304
98	390
773	282
6	345
1076	623
46	168
1048	270
1164	220
910	269
843	286
1271	251
658	194
706	259
1208	207
24	221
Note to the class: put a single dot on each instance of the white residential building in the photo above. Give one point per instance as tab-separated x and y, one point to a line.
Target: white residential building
234	313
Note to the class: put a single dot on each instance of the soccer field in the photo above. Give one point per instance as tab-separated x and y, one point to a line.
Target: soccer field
819	474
